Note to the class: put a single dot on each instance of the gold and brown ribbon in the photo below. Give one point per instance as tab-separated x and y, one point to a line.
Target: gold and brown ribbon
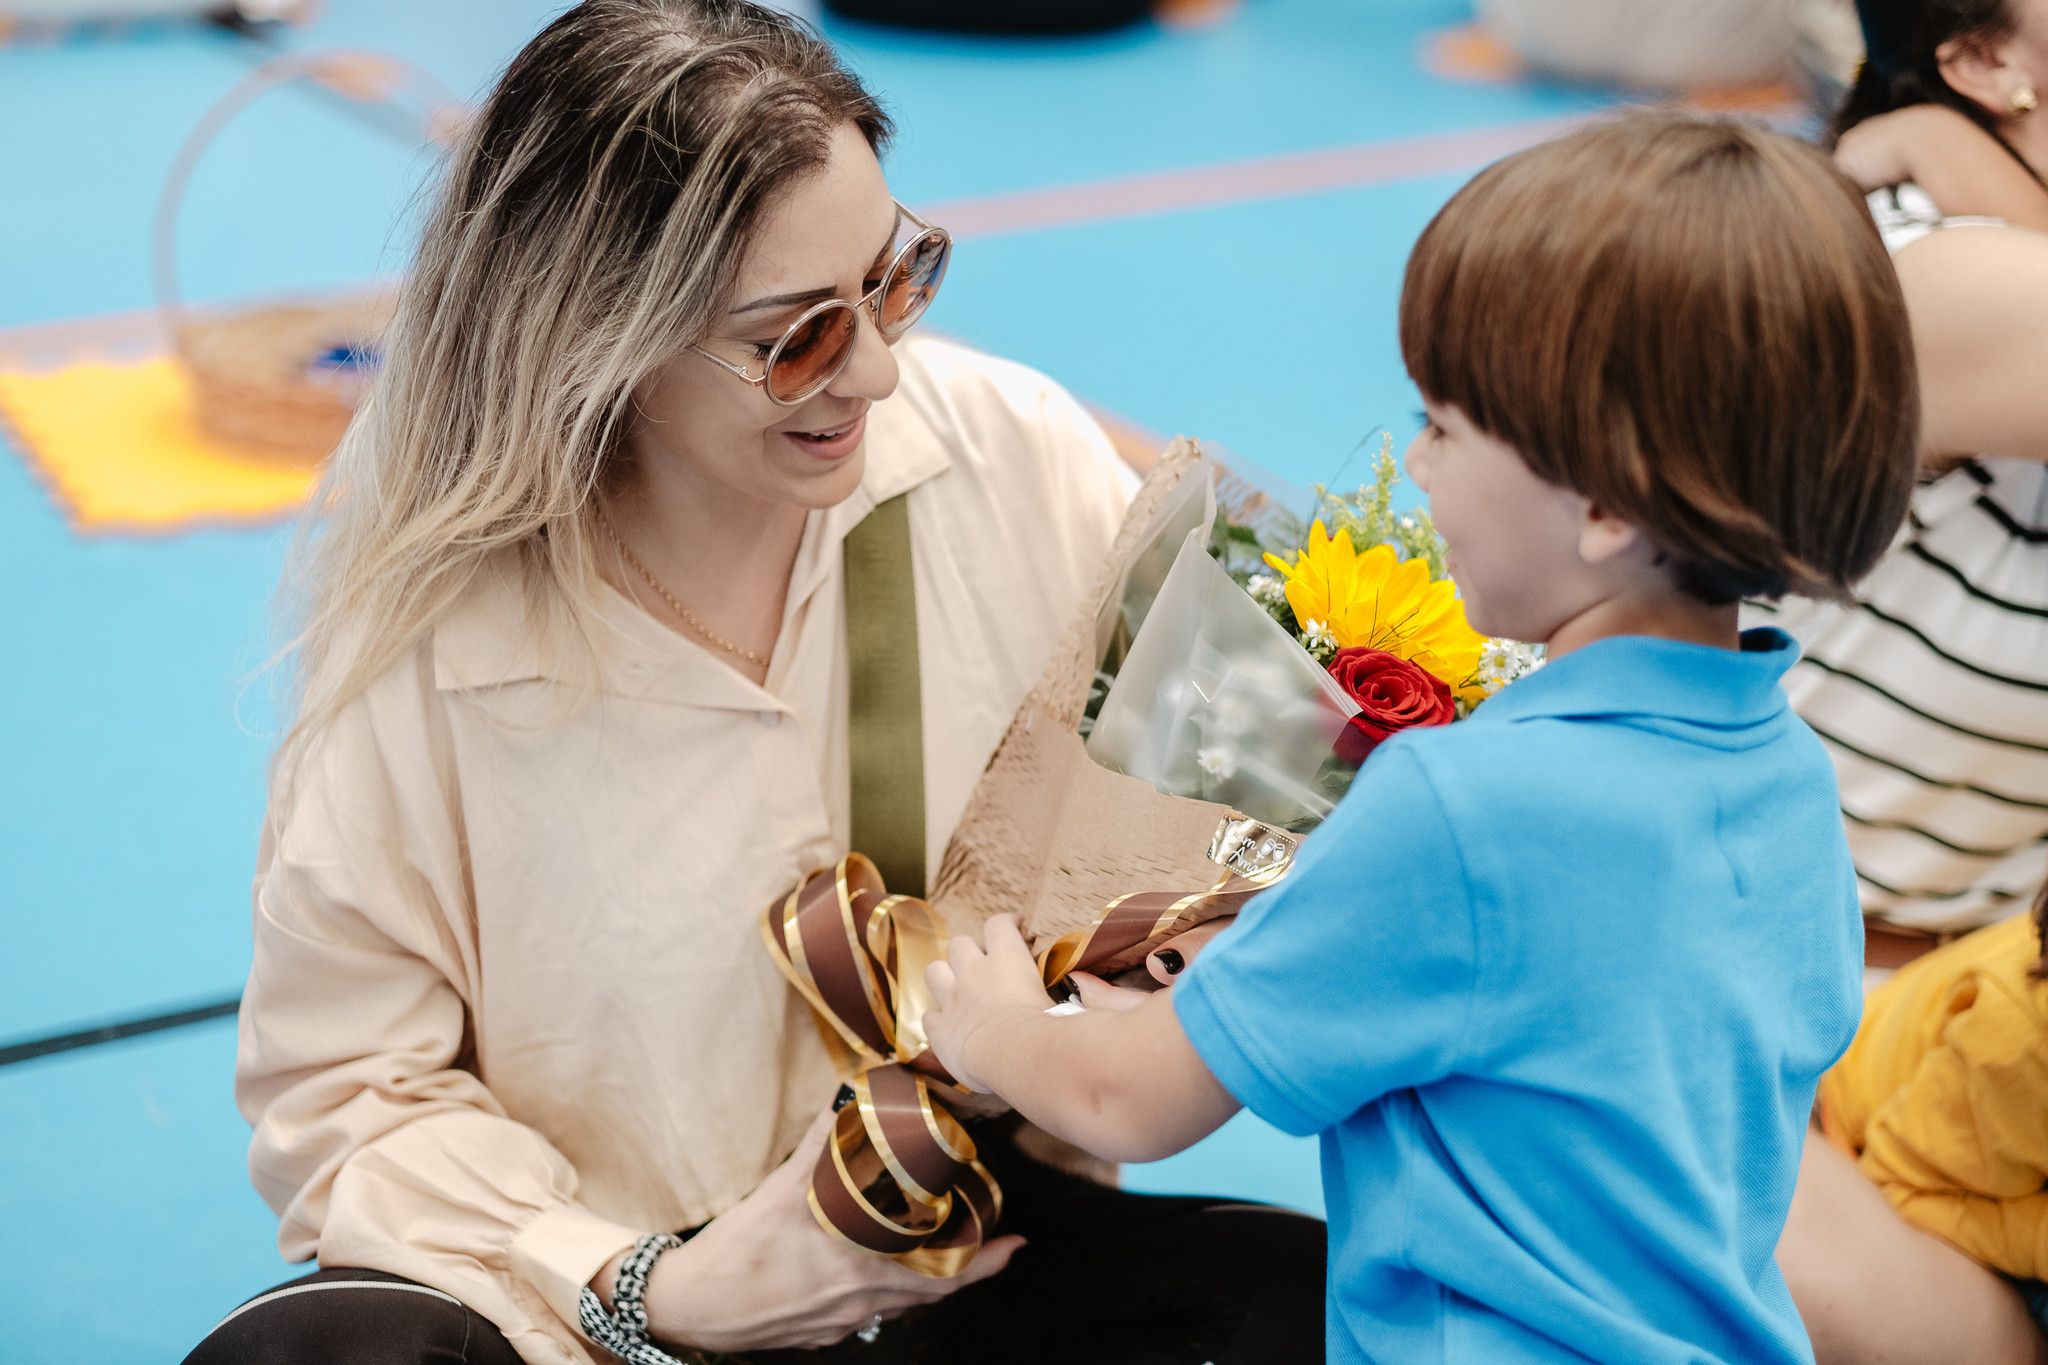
1253	856
899	1175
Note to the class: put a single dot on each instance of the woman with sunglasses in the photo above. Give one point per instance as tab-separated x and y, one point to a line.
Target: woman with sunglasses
576	698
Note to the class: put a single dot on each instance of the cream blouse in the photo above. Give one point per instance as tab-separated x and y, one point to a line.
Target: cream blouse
510	1007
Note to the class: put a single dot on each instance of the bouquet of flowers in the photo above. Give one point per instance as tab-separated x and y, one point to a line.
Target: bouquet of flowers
1379	583
1272	660
1230	676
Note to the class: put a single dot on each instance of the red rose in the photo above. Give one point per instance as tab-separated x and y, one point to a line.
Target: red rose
1393	694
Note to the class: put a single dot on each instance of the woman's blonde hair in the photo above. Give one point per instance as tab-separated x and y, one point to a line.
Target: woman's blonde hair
590	228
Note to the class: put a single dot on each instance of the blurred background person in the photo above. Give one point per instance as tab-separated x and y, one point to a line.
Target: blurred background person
1932	695
1933	690
1941	119
1940	1103
1666	44
1038	18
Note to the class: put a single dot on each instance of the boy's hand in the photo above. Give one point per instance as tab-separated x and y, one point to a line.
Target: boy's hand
979	984
1123	1083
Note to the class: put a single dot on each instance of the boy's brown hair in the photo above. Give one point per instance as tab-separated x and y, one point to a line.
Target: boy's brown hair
1692	323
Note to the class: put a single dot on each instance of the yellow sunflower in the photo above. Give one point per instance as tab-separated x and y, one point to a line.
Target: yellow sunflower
1380	601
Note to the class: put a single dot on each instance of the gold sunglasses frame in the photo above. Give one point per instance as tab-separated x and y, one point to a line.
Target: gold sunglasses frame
871	302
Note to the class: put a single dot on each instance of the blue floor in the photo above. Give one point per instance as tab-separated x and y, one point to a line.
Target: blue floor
136	727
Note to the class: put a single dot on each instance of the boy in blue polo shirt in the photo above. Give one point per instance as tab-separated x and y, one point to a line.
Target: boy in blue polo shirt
1555	984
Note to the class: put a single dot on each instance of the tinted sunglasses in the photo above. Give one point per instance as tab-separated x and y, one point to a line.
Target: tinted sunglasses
815	348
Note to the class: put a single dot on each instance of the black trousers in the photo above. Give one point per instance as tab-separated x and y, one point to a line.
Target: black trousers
1107	1278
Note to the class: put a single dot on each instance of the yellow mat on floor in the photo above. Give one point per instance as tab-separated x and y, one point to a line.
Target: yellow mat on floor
117	447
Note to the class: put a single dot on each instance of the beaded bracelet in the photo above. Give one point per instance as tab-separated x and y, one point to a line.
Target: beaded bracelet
623	1331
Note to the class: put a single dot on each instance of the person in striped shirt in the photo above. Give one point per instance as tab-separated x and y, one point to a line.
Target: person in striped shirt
1931	691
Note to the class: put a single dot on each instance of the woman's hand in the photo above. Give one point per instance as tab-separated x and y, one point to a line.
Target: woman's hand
1877	151
763	1275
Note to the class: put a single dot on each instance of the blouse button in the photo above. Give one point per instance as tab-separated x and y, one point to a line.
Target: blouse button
771	718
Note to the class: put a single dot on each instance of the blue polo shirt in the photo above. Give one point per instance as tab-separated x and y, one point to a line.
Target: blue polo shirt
1555	985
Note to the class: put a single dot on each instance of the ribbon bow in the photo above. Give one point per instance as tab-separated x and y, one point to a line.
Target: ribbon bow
898	1176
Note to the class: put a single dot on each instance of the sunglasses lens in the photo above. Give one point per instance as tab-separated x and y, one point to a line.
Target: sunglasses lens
812	355
916	279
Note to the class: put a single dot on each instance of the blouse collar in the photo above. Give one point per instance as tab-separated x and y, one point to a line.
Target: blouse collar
489	637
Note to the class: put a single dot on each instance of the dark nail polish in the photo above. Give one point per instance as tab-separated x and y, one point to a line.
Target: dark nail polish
843	1098
1171	959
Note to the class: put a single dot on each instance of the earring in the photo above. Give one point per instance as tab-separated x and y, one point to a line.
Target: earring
2022	101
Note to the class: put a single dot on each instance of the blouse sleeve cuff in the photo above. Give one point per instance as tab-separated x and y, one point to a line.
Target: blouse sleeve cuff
559	1252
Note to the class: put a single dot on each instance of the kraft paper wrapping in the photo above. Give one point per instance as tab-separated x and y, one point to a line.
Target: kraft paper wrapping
1050	835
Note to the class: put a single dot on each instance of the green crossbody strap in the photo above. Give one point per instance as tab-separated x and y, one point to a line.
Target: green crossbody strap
886	706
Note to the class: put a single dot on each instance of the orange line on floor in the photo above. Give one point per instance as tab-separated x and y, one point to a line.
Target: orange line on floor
132	335
1236	182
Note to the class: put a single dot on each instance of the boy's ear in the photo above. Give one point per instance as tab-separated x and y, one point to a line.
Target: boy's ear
1602	535
1982	72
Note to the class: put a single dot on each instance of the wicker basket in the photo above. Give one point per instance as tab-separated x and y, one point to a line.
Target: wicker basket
281	382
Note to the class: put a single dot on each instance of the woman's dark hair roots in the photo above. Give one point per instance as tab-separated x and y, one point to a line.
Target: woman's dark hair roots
652	97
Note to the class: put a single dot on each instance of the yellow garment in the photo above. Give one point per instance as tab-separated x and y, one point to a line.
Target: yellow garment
117	447
1943	1097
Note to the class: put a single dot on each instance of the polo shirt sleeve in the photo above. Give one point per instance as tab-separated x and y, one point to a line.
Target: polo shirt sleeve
1355	977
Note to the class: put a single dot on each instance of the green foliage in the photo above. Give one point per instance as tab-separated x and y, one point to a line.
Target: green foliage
1249	528
1237	547
1367	514
1370	517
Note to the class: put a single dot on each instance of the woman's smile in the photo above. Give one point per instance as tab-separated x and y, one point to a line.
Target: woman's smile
831	443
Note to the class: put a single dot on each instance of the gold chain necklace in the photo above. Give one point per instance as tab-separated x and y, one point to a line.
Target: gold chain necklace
689	617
